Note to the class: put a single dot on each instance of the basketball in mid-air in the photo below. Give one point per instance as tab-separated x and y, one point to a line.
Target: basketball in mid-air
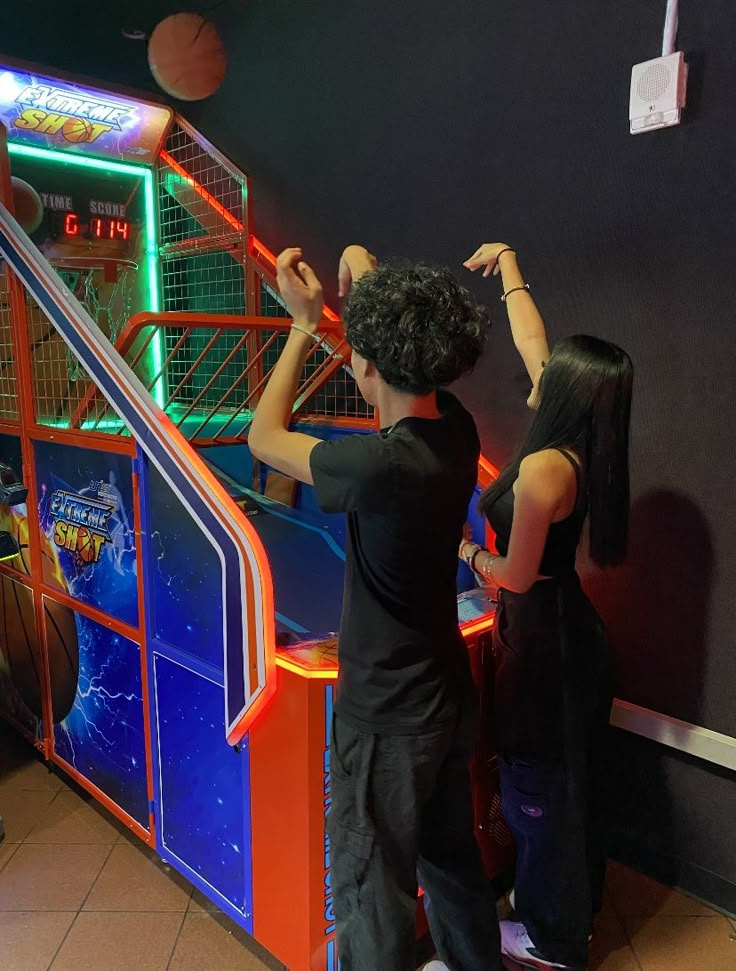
187	57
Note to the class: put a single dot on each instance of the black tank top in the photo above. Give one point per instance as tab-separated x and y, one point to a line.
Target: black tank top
563	538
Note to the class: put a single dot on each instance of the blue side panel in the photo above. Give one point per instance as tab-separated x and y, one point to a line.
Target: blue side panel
184	576
477	523
203	788
476	519
103	735
308	570
234	460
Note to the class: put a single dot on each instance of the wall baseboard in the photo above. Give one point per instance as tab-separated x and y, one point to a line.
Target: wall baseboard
692	739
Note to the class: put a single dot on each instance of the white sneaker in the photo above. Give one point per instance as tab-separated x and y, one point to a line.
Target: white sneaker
435	966
516	944
512	904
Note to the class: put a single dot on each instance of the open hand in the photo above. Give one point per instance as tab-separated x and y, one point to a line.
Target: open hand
299	287
487	256
354	262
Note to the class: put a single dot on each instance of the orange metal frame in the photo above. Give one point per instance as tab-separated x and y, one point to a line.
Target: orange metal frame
218	323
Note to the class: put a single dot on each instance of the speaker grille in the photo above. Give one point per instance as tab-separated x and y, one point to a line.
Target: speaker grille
653	82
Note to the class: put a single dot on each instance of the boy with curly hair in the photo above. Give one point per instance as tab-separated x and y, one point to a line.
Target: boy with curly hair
404	719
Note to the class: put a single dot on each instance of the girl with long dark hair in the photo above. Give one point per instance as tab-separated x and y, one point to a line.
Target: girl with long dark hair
552	681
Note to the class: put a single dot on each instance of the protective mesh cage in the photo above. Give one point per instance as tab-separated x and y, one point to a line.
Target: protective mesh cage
338	397
64	395
198	195
204	266
203	365
208	283
8	388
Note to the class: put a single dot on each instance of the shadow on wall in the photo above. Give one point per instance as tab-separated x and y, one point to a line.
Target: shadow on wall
656	605
656	609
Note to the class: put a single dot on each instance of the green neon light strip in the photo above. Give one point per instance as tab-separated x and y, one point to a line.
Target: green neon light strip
151	255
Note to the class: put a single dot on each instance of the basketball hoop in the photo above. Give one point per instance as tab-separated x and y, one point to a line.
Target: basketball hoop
114	304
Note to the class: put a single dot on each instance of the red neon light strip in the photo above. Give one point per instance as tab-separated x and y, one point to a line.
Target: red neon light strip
201	191
329	673
478	626
270	257
321	674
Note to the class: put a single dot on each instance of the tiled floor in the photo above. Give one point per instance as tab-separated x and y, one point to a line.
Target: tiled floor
76	892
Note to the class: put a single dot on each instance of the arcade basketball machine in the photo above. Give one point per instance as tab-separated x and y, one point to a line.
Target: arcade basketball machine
168	606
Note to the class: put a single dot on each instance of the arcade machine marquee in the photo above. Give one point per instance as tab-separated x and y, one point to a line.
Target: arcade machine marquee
203	728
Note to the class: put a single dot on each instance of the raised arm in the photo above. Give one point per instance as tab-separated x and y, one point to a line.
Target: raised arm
269	437
527	326
355	262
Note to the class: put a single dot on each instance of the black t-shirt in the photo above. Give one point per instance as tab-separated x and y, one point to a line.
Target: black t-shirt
406	490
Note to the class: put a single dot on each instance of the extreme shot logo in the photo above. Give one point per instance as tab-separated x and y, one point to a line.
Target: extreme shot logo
80	525
53	111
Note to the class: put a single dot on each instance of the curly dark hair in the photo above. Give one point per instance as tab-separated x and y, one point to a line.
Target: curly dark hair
416	324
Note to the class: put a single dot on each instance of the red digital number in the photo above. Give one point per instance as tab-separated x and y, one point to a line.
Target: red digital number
99	228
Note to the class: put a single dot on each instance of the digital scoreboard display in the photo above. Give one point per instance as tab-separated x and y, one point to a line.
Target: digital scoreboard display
87	210
94	227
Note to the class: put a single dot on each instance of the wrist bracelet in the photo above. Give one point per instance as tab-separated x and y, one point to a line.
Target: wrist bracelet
487	568
513	290
508	249
303	330
471	561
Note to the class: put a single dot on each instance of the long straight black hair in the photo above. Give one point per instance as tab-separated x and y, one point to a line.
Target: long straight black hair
584	404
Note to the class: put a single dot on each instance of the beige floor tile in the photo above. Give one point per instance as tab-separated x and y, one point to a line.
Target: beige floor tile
207	945
6	851
610	949
198	903
33	775
119	942
21	810
677	943
133	879
29	941
73	819
635	895
49	877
